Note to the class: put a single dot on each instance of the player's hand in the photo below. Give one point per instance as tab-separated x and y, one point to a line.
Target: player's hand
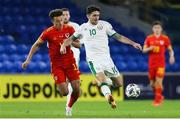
25	64
63	49
151	48
171	60
137	46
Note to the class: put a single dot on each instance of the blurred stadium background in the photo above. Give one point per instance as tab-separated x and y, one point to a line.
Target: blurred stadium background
22	21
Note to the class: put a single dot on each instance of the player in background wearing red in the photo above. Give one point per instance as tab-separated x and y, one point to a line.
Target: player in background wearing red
155	45
62	65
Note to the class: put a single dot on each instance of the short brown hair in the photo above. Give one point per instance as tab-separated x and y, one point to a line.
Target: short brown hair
65	9
55	13
157	23
92	8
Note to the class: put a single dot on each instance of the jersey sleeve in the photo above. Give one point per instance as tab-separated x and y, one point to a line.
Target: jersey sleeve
44	35
78	33
109	29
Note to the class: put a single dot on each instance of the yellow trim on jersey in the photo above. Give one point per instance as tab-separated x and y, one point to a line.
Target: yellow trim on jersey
151	35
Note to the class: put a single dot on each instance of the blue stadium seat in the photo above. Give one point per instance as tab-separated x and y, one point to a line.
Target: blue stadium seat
10	49
23	49
17	67
7	67
115	50
122	66
1	49
37	57
175	67
142	66
132	66
14	57
23	57
6	39
118	58
4	57
32	68
1	68
42	67
45	57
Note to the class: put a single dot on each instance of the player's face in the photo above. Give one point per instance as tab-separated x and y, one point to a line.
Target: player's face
58	21
94	17
66	16
157	29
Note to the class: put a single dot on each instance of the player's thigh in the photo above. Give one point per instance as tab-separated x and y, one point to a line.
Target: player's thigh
97	70
100	76
160	72
72	72
112	72
60	80
59	75
152	73
94	67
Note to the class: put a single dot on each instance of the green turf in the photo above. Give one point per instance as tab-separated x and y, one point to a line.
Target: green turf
126	109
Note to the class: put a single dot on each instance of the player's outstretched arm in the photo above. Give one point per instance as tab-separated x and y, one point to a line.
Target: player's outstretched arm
67	43
33	49
125	40
171	55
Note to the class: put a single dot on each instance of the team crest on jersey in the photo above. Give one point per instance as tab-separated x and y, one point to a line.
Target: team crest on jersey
100	27
161	42
67	35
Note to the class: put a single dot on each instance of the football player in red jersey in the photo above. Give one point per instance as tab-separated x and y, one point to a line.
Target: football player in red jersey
62	65
155	45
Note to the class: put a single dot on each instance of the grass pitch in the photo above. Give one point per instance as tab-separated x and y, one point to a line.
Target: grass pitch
125	109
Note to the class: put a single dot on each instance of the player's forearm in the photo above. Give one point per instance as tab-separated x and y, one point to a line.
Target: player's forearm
124	39
171	53
76	44
67	42
32	51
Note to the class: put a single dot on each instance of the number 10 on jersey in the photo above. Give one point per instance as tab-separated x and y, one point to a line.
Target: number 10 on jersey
92	32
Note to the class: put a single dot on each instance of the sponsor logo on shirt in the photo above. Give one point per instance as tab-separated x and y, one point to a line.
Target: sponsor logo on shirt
100	27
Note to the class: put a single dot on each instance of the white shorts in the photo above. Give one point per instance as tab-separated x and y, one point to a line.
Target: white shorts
105	65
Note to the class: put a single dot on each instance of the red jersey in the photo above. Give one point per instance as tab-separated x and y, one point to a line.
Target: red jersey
157	55
55	38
